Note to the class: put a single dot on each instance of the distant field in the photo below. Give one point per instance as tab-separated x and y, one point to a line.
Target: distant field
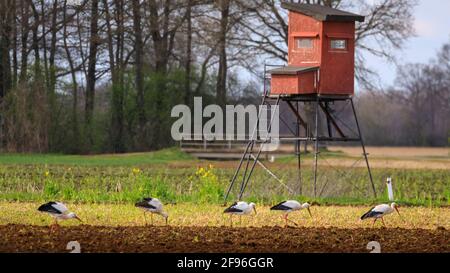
400	157
137	159
397	152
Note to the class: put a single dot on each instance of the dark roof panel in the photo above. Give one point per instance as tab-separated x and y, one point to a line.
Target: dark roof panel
323	13
292	70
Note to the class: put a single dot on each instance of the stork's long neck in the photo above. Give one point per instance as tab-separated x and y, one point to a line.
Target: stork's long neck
393	207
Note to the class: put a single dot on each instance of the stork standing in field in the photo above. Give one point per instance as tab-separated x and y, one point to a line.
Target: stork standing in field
290	206
240	208
380	211
58	211
154	206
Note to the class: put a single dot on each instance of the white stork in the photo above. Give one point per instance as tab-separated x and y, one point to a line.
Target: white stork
240	208
380	211
154	206
291	206
58	211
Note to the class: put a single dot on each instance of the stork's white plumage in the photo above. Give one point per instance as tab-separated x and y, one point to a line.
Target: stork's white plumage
290	206
380	211
154	206
240	208
58	211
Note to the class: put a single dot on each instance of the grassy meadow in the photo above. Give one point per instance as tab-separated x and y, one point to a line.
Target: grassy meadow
175	177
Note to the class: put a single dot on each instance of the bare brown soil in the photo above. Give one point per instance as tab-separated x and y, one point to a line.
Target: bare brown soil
21	238
380	157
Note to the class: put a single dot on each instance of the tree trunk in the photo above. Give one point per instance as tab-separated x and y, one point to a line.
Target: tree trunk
221	88
140	98
5	45
25	29
118	69
188	68
91	75
160	36
75	128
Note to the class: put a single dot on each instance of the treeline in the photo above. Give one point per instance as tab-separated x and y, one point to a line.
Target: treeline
415	112
89	76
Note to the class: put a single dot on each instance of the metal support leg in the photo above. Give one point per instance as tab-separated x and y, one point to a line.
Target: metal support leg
316	145
233	181
249	149
259	153
244	177
330	131
364	149
299	150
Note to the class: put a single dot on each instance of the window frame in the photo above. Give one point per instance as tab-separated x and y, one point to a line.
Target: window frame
335	49
297	41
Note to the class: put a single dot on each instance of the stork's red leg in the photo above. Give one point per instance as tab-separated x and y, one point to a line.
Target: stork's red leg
374	221
55	225
382	220
288	220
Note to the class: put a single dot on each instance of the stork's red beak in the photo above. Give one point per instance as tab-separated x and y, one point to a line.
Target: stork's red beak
254	210
76	217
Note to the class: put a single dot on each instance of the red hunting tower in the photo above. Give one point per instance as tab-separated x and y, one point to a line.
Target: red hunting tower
321	56
321	73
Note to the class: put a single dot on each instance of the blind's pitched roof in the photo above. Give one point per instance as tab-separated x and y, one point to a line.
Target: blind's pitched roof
323	13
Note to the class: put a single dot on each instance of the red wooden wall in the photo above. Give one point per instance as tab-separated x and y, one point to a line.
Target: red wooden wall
337	67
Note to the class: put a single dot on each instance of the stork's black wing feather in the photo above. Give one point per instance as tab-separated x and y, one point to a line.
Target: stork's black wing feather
145	205
280	206
148	199
232	209
370	214
49	208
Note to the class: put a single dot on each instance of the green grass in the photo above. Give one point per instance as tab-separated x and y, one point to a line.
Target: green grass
128	183
127	178
138	159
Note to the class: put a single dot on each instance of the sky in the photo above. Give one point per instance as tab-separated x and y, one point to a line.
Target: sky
432	26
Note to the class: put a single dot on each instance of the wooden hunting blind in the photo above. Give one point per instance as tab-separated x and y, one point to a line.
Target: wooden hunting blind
320	73
321	52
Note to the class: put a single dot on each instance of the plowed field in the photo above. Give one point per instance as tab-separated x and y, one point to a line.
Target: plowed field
25	238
